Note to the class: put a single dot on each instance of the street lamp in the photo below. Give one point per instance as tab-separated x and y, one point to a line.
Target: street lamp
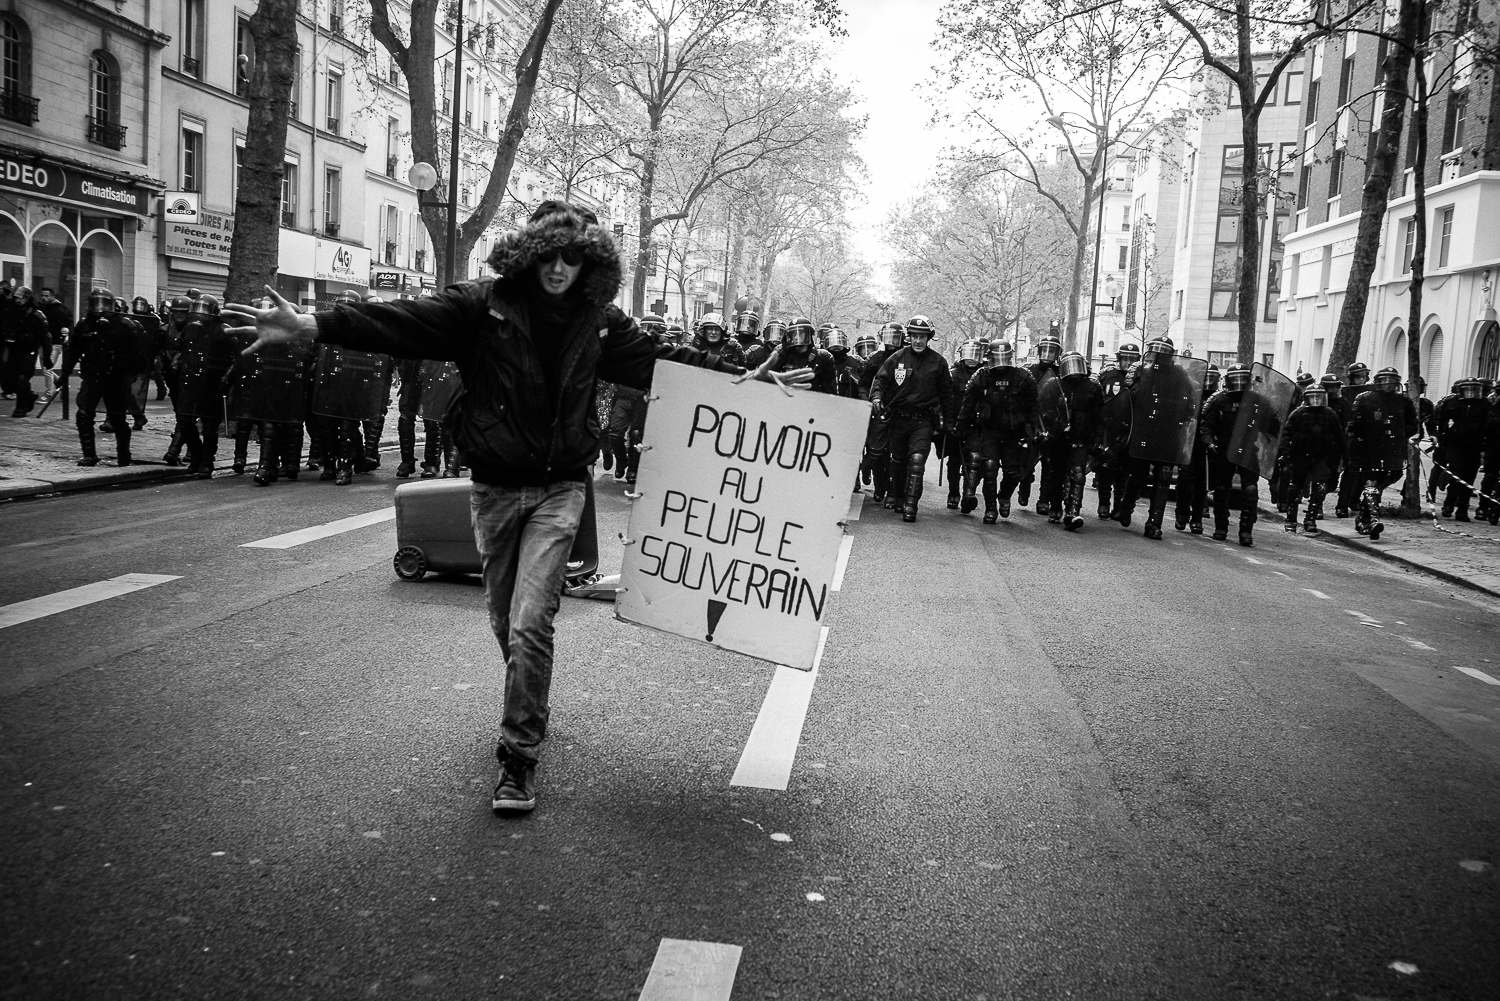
1101	151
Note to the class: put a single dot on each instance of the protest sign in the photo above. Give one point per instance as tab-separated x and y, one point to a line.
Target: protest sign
735	532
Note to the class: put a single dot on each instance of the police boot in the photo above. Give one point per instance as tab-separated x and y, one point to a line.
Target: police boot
969	502
451	467
208	453
85	422
406	434
1054	511
289	449
122	445
1291	516
105	427
1221	526
241	450
372	429
25	400
1310	520
344	474
1103	485
432	449
1025	495
173	454
1461	510
881	476
1007	488
990	511
952	497
913	492
1072	503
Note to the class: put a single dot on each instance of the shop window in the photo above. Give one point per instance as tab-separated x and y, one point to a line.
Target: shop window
104	126
12	239
54	262
16	102
101	262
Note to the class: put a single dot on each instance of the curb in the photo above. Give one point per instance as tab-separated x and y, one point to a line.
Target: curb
1396	556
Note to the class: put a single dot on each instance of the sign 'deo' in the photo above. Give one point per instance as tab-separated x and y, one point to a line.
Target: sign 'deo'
734	534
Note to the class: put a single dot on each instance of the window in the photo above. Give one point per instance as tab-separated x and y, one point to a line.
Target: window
239	162
1293	273
1346	79
468	101
289	195
447	87
192	38
296	85
390	233
1261	79
1454	121
1177	304
1336	174
1325	272
1445	234
1125	219
244	57
333	103
392	140
103	124
192	157
1312	103
1234	95
16	102
1124	257
332	200
1409	244
336	16
1291	91
1304	182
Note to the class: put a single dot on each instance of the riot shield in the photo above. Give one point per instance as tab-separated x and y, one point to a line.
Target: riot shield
273	386
1257	428
440	384
1052	404
207	354
1164	410
350	384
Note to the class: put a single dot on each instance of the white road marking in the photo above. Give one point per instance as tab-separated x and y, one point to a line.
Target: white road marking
766	762
1474	672
302	535
1360	615
1317	594
691	971
1416	644
1252	559
843	563
856	505
62	601
1280	574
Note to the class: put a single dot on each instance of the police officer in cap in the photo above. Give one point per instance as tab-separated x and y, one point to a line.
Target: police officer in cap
916	389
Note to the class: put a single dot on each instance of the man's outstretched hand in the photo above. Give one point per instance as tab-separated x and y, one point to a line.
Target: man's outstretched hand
797	378
279	324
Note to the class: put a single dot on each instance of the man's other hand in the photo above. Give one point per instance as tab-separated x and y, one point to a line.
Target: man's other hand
278	324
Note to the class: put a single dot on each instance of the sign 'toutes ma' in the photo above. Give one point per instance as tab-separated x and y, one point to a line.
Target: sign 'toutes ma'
735	535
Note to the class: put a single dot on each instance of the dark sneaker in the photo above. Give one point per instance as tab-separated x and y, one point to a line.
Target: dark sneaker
516	788
1073	522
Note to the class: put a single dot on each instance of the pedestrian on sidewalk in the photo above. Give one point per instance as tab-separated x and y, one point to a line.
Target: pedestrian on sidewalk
530	343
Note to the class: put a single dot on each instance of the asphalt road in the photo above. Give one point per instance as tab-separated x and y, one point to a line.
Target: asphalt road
1035	765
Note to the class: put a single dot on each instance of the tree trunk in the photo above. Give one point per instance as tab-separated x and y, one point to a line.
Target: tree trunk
732	286
1080	256
643	260
1248	291
1377	191
1411	490
254	255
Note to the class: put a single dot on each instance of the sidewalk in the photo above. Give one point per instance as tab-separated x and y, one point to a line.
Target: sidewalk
41	456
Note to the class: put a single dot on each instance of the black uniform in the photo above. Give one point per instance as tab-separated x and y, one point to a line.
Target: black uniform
1112	468
1489	509
998	421
23	332
1312	447
726	348
408	403
627	423
1350	482
1215	427
1074	433
957	456
877	460
1042	372
1461	426
916	389
200	394
1379	431
807	356
103	347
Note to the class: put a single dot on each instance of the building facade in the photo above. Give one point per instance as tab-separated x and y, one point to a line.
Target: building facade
1458	332
80	173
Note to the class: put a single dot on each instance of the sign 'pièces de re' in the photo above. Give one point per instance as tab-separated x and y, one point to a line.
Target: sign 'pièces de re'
742	491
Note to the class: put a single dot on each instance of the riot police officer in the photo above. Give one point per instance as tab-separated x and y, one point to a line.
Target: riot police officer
713	339
1461	426
1043	370
798	350
772	335
207	353
1164	401
971	355
1357	381
178	313
915	388
846	367
1215	429
1380	427
1312	445
998	420
627	415
1112	470
104	347
746	323
1192	479
876	462
1070	408
25	332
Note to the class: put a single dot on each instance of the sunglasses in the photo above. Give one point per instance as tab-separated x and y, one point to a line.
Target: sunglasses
571	257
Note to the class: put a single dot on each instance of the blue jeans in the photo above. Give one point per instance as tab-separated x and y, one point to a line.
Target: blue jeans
524	535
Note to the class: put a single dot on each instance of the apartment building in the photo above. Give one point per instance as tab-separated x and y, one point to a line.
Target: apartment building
1155	193
80	173
1458	332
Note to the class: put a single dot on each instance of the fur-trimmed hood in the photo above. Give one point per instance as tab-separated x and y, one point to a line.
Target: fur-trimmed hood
554	226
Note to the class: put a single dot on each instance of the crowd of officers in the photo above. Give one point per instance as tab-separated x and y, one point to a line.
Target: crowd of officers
1147	422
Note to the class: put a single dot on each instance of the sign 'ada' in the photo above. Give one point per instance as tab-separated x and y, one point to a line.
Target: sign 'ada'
738	512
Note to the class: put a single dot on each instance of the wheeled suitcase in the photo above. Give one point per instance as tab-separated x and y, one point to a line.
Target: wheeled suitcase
434	532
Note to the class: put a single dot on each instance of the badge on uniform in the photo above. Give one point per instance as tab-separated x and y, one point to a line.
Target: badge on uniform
900	374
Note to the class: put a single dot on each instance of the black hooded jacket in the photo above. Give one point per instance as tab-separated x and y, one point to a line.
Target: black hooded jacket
511	431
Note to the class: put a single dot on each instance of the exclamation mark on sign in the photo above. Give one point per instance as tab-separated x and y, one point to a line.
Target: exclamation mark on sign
715	612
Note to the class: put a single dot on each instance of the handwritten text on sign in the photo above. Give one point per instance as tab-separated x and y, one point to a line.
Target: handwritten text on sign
736	534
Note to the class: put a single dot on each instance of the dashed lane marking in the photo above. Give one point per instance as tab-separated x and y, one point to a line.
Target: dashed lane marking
766	762
1280	574
1317	594
88	594
1364	619
1417	644
1474	672
843	563
304	535
691	971
1252	559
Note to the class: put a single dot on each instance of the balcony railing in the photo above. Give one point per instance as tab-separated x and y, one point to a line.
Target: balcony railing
333	125
330	229
18	107
192	66
288	219
105	133
390	166
390	252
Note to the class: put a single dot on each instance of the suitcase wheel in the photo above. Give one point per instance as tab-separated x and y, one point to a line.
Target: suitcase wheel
410	564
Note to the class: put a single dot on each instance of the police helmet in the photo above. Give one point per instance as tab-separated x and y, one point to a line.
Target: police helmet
205	305
1002	354
1306	379
971	351
799	333
675	333
101	301
1237	378
121	306
141	305
373	297
866	345
1048	349
1127	355
1332	386
193	294
1161	347
1388	380
1358	374
1469	389
1211	380
712	327
348	295
1315	395
181	306
774	332
920	325
838	342
892	335
1073	363
654	325
747	325
823	329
